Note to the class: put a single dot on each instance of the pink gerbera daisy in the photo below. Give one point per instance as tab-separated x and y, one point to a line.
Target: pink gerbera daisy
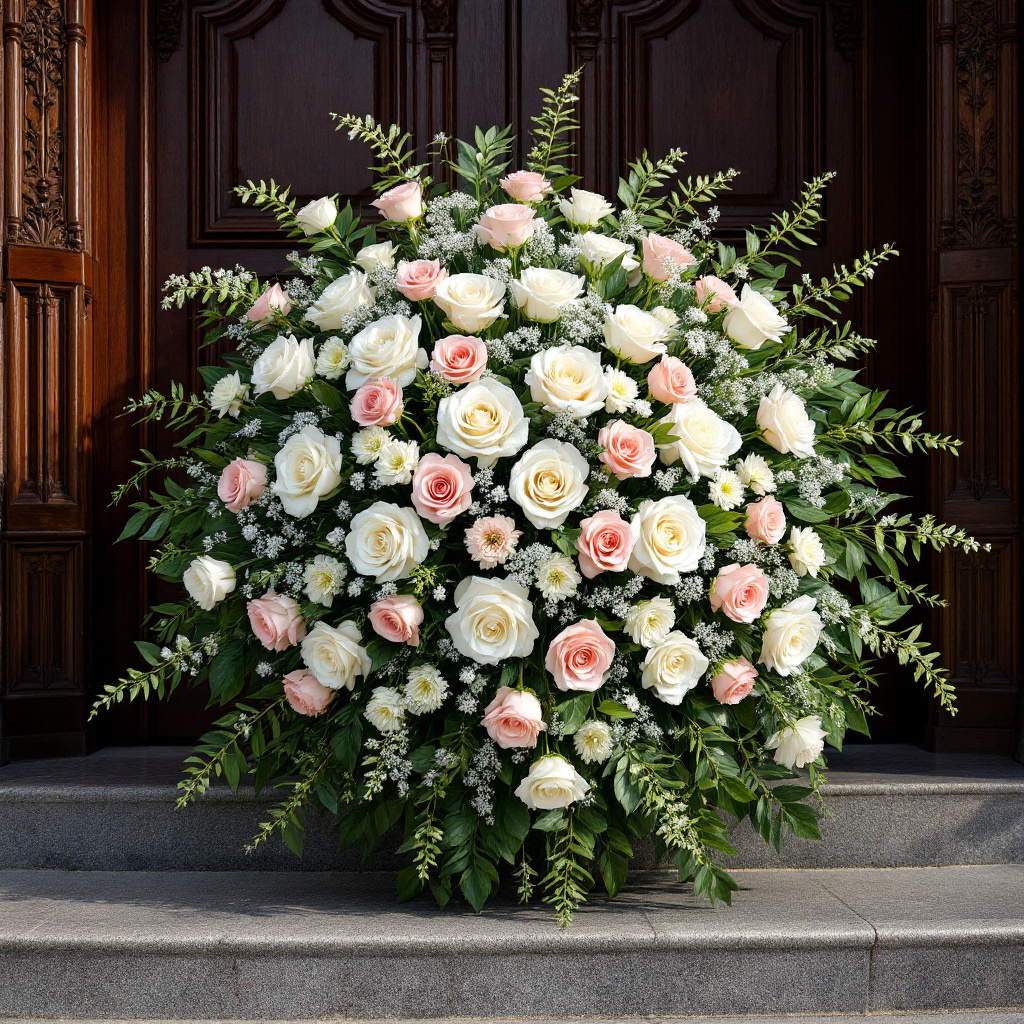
489	540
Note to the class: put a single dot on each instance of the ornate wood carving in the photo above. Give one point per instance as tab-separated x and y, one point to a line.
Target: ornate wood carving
167	28
847	27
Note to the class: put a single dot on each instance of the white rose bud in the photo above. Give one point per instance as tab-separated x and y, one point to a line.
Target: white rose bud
806	553
548	482
798	744
208	581
484	419
787	427
284	367
568	377
673	667
493	621
307	469
541	293
386	542
471	301
551	783
585	209
600	250
790	635
335	655
669	537
338	299
649	622
227	395
704	440
635	335
370	256
388	347
754	320
317	216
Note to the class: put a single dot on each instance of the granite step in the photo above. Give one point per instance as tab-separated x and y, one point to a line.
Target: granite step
297	945
888	806
934	1017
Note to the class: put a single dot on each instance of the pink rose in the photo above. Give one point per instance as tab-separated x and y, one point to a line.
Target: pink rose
740	592
419	279
377	403
734	681
305	693
274	297
276	620
659	250
580	656
459	358
397	619
526	186
441	488
241	482
401	203
605	543
628	450
717	290
766	520
670	381
506	226
514	718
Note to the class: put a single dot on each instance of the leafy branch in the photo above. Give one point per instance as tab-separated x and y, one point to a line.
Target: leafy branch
837	288
645	176
682	201
393	148
552	150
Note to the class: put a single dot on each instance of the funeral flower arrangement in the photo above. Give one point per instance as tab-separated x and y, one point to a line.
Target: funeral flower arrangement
532	524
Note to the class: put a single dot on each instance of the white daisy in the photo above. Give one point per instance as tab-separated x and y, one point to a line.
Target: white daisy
622	390
726	490
397	462
756	474
332	360
557	577
425	690
366	444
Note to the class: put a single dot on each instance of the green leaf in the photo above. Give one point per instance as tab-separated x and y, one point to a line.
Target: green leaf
227	672
476	882
804	511
614	709
574	711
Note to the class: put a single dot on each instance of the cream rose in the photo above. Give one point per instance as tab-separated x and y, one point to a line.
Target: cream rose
806	554
493	621
649	622
484	419
754	320
669	537
673	667
541	293
798	744
787	427
568	377
635	335
317	216
790	635
471	301
704	440
340	298
388	347
585	209
386	542
600	250
551	783
208	581
307	468
548	482
335	655
284	367
382	253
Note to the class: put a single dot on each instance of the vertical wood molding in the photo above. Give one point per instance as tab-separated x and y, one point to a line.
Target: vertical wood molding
440	18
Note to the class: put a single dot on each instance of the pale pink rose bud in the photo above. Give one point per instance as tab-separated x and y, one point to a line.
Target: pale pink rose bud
441	487
734	681
377	403
526	186
241	482
459	358
305	694
740	592
401	203
604	544
671	380
506	226
766	520
514	718
717	290
419	279
659	250
276	620
628	450
398	619
274	297
580	656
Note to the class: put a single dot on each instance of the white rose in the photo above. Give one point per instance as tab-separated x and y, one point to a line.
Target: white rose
623	391
798	744
668	539
471	301
332	360
388	347
635	335
754	320
386	542
790	635
493	621
673	667
385	710
227	395
600	250
667	316
340	298
594	742
568	377
318	215
484	419
585	209
551	783
548	482
541	293
335	655
649	622
284	367
704	440
806	554
370	255
307	469
208	581
787	427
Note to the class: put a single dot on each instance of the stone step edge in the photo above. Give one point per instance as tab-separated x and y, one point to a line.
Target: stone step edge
997	1015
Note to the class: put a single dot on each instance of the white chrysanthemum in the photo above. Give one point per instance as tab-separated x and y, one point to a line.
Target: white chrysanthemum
622	390
323	578
332	360
593	742
367	444
425	689
385	710
649	622
726	490
667	316
557	577
397	462
227	395
806	553
755	473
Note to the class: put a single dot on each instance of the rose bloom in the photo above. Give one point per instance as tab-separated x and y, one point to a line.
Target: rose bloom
340	297
715	289
658	250
506	226
377	403
548	482
471	301
317	216
485	419
241	482
419	279
734	681
790	635
551	782
305	694
307	468
526	186
388	347
276	621
673	668
386	542
335	655
740	592
783	417
493	620
513	718
754	320
283	367
441	487
628	451
459	358
397	618
274	297
668	539
766	520
542	293
568	377
401	203
671	381
208	581
370	256
604	544
490	540
580	656
634	334
798	744
704	441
